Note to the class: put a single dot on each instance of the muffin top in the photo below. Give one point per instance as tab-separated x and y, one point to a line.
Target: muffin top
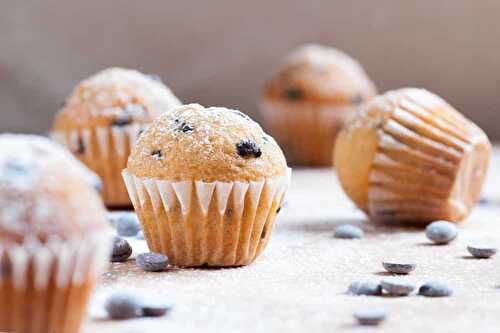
209	144
115	97
45	192
320	74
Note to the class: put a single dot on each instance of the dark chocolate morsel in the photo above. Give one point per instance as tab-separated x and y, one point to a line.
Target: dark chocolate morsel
157	154
185	127
278	210
264	232
248	148
122	120
80	148
357	99
294	94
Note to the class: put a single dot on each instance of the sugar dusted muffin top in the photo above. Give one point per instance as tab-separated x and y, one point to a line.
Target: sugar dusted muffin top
44	192
115	96
320	74
210	144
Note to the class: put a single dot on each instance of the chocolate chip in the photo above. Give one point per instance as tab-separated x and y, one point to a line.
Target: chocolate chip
80	146
123	306
126	223
441	232
482	252
397	287
121	250
435	289
157	154
241	114
357	99
370	317
293	94
152	262
122	120
185	127
155	310
347	231
278	210
155	77
365	287
248	148
399	268
264	233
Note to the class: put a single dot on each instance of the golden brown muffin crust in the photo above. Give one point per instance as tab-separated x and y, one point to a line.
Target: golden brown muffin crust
209	144
320	74
45	192
115	96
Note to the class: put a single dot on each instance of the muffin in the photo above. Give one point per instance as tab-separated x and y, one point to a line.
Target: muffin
102	119
306	102
54	238
410	157
207	185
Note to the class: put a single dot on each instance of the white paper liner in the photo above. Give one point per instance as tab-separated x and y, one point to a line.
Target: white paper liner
164	194
75	259
120	135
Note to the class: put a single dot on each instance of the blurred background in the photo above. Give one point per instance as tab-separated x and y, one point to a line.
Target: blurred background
221	52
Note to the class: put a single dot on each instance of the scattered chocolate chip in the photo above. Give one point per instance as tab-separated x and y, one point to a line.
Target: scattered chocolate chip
482	252
155	310
441	232
357	99
347	231
248	148
155	77
121	250
185	127
293	94
370	317
278	210
263	233
126	223
435	289
365	287
122	306
399	268
140	235
397	287
140	132
80	146
152	262
122	120
157	154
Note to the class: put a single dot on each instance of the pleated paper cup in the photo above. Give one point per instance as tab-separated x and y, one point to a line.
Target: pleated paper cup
105	151
44	288
196	223
306	131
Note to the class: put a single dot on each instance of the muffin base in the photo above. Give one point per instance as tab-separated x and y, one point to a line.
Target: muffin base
105	151
207	224
45	287
305	130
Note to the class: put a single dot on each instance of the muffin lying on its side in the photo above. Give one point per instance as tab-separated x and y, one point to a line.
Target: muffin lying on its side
207	184
54	237
102	119
307	101
410	157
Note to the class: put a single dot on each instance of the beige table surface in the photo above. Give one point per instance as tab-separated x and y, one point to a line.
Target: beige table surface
299	283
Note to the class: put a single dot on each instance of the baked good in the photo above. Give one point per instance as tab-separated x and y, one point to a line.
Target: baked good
410	157
102	119
54	236
207	184
306	102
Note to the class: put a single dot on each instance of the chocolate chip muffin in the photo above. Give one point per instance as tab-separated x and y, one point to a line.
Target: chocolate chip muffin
54	236
103	118
306	102
410	157
207	185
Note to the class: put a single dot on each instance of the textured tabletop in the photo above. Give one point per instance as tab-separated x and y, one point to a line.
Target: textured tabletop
299	283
